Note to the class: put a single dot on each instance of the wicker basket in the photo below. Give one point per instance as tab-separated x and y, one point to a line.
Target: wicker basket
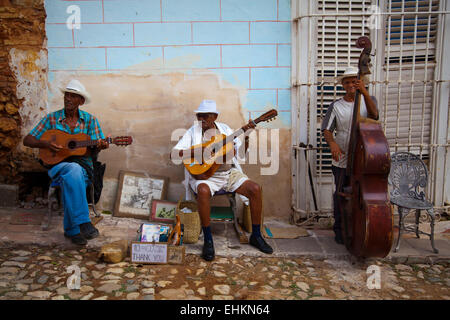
191	221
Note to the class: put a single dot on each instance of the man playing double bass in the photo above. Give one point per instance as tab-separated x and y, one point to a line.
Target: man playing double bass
338	119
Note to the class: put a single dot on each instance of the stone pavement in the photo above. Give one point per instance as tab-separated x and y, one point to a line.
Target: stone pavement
38	265
319	244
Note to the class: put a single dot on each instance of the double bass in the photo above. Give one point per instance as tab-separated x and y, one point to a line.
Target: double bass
367	219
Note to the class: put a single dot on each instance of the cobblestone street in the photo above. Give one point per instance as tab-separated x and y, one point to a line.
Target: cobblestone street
38	272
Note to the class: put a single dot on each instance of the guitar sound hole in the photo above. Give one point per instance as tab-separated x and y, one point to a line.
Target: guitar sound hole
72	144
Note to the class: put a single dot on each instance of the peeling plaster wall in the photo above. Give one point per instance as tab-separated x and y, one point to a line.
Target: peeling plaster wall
23	82
147	68
30	70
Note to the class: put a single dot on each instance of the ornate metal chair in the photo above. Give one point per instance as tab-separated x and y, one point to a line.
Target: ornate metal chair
408	178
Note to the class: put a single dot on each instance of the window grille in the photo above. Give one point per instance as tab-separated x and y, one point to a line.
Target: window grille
405	79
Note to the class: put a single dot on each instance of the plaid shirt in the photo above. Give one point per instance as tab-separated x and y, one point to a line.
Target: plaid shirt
87	124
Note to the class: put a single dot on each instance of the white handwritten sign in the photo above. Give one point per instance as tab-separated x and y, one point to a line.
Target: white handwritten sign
149	252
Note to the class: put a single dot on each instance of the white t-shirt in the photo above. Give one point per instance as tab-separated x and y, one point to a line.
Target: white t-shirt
339	119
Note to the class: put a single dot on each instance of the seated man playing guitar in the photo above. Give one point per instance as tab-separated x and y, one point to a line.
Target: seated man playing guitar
227	176
74	173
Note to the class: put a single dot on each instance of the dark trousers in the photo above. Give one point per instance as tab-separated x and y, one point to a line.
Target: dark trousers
340	179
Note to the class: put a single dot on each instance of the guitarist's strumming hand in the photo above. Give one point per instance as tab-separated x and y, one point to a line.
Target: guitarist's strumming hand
53	146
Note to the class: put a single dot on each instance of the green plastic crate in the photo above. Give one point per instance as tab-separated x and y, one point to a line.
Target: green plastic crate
222	213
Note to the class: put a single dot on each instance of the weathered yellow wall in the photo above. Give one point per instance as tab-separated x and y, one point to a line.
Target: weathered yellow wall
149	108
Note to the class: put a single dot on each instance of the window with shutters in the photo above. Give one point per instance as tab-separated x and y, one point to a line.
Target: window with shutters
336	37
406	81
409	71
404	101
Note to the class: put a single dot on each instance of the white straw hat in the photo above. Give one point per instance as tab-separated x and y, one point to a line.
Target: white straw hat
77	87
349	72
207	106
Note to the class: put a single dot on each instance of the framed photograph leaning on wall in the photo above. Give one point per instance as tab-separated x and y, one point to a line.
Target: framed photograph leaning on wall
163	211
135	193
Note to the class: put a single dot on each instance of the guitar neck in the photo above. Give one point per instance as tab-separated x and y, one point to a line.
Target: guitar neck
90	143
265	117
86	143
234	135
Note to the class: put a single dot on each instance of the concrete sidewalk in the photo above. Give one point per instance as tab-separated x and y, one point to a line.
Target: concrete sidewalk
319	244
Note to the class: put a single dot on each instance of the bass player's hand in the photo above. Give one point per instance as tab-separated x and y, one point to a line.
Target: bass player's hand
336	151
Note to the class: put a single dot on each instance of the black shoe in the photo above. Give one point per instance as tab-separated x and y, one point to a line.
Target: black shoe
88	231
208	251
77	239
338	238
260	243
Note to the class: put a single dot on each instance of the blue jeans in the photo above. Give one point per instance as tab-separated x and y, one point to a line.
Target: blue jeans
73	181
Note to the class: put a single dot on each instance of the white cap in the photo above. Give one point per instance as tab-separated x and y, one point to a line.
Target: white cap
77	87
207	106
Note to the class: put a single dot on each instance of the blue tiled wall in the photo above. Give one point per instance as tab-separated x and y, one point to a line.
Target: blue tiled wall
245	42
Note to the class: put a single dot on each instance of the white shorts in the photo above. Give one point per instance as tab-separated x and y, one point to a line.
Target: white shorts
227	180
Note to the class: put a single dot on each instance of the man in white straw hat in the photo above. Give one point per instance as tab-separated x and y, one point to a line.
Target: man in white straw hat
73	174
228	177
338	119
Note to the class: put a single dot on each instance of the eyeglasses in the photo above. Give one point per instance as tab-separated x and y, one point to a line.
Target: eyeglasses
204	115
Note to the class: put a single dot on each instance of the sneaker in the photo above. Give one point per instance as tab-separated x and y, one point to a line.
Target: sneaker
89	231
260	243
208	251
77	239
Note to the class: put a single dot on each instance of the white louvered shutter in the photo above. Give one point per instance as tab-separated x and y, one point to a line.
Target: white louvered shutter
409	56
336	49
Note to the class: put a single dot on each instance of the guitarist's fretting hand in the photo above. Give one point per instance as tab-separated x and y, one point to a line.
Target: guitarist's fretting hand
249	125
103	143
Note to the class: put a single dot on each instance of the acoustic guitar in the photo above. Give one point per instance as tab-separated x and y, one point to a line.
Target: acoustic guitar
73	145
218	147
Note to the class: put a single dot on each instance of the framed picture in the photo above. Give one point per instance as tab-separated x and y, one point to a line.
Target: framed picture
163	211
135	194
176	254
154	232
